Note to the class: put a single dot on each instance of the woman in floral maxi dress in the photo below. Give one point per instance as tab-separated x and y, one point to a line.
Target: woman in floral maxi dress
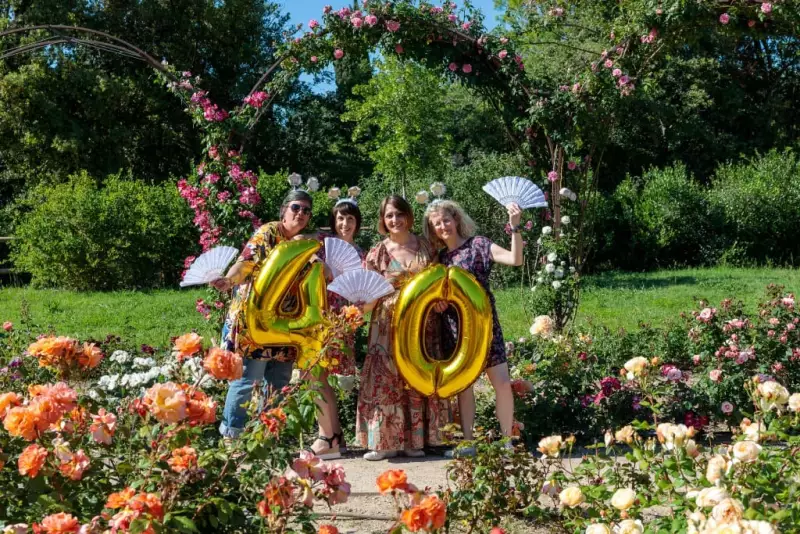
391	417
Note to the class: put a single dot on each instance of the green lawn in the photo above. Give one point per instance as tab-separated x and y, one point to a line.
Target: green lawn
614	299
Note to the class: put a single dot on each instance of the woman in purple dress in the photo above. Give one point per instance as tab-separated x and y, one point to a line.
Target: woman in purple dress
448	227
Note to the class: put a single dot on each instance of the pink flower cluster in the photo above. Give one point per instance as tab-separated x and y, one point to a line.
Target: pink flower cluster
257	99
329	479
203	309
670	372
211	112
650	37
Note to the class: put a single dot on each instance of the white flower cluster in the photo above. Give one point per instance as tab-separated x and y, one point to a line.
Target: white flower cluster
150	372
553	272
193	372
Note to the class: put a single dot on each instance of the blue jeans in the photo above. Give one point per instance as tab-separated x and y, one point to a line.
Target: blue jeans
275	375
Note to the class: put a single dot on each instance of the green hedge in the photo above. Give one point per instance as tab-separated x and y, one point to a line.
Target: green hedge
119	234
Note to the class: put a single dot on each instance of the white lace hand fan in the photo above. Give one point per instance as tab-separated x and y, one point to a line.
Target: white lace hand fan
209	266
341	256
361	286
516	189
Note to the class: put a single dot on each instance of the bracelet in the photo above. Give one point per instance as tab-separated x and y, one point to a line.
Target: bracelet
516	229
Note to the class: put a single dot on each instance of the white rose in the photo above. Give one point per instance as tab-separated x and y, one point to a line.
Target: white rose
334	193
566	193
550	268
542	326
143	362
746	451
552	257
772	395
716	468
692	449
354	191
559	273
623	499
539	280
421	197
312	184
572	270
551	446
710	497
295	179
629	526
438	189
625	434
635	366
598	528
794	402
754	431
120	356
547	230
571	497
759	527
727	511
556	285
565	220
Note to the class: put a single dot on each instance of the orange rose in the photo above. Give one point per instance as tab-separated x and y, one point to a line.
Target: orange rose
274	420
46	411
120	499
21	422
53	351
279	492
90	356
8	401
328	529
200	408
263	509
223	364
167	402
391	480
183	459
435	509
415	519
60	523
187	346
61	394
31	460
147	503
74	468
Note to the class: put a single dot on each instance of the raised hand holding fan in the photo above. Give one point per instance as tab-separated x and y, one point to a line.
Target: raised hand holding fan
209	266
341	256
361	286
515	189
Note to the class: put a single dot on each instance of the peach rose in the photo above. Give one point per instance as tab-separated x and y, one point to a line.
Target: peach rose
551	446
435	509
625	434
794	403
120	499
167	402
623	499
328	529
183	459
90	357
727	511
22	423
772	396
187	346
104	425
8	401
32	460
223	364
200	408
598	528
635	367
60	523
53	351
75	467
746	451
571	497
391	480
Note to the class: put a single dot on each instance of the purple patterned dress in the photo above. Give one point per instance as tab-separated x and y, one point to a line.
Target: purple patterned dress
475	256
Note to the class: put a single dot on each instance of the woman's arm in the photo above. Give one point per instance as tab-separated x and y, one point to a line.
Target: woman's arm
511	257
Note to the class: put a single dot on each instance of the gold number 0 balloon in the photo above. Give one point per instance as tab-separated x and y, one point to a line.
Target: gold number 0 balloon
266	325
415	365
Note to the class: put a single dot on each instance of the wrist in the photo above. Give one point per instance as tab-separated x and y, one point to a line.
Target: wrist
516	228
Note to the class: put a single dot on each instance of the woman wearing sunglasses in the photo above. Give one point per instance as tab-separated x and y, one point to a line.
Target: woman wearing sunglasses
272	365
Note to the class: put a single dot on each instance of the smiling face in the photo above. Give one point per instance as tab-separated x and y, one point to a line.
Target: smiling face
296	217
444	225
345	226
396	221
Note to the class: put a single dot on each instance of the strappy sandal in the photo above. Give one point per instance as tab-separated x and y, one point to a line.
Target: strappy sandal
331	453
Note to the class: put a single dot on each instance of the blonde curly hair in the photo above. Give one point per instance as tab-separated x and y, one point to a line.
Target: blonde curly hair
465	226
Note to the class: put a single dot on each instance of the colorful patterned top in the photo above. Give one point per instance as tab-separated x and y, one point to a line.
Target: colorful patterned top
234	332
475	256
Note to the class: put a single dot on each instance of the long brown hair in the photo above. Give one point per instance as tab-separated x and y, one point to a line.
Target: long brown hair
401	205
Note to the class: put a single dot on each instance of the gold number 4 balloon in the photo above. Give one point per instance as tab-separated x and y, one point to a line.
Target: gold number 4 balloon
309	328
422	372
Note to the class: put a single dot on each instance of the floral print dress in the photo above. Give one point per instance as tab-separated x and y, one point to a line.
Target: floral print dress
475	256
234	331
347	359
392	416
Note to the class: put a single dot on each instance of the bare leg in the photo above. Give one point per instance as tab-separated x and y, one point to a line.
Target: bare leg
466	410
501	382
327	414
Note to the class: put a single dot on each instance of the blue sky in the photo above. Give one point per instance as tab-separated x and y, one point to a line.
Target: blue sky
302	11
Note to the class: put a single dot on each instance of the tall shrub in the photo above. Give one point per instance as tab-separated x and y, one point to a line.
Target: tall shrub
119	234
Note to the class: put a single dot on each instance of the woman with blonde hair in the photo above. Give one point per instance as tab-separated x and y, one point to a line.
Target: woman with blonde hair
448	227
391	417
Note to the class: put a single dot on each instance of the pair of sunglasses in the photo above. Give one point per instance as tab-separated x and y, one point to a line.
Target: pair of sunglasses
296	208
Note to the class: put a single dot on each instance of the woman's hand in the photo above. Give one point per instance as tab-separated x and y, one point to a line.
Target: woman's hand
514	214
221	284
440	306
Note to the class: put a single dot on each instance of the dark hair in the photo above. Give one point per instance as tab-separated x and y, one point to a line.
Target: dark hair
401	205
345	208
293	196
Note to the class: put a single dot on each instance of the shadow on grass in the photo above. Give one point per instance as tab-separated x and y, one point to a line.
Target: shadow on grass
636	281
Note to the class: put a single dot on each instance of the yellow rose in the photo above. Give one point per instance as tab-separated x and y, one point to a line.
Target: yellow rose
629	526
717	466
727	511
623	499
772	396
571	497
635	367
672	436
598	528
625	434
551	446
794	402
710	497
746	451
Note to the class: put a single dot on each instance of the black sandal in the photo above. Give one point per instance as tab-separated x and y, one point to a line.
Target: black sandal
331	453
